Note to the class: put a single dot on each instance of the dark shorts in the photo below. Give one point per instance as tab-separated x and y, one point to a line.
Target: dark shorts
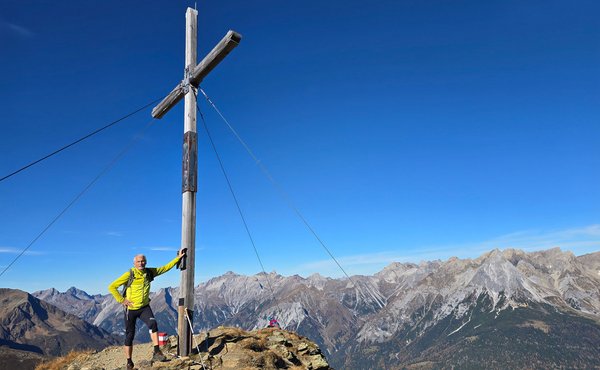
146	315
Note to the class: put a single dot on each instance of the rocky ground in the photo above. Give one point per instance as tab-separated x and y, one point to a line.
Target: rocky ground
222	348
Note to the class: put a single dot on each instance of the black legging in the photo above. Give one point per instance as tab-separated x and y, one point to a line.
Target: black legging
146	315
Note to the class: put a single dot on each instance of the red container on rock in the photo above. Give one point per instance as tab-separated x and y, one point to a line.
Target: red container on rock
162	339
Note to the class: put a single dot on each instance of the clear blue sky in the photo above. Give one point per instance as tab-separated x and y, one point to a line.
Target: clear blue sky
402	130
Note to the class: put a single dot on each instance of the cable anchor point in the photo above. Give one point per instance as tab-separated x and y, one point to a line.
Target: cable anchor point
185	83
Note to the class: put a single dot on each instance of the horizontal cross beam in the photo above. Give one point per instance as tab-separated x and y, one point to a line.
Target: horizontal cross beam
210	61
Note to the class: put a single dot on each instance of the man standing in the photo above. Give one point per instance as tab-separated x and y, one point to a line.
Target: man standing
136	301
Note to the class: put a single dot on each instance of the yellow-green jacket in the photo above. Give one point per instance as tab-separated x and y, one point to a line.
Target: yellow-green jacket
139	291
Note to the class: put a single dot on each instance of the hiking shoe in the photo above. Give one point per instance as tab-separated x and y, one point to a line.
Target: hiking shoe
158	356
130	366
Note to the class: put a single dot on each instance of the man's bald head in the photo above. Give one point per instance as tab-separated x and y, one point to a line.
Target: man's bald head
139	261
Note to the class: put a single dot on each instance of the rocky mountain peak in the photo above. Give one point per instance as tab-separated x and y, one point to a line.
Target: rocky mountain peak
224	348
515	255
78	293
317	280
26	321
47	294
316	277
497	275
397	268
592	261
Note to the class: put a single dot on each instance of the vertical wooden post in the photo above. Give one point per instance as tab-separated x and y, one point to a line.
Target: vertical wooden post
189	188
194	73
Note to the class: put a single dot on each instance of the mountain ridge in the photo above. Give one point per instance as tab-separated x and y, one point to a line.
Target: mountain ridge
28	323
406	310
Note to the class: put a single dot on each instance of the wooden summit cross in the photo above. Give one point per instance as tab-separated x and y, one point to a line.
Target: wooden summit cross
194	74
